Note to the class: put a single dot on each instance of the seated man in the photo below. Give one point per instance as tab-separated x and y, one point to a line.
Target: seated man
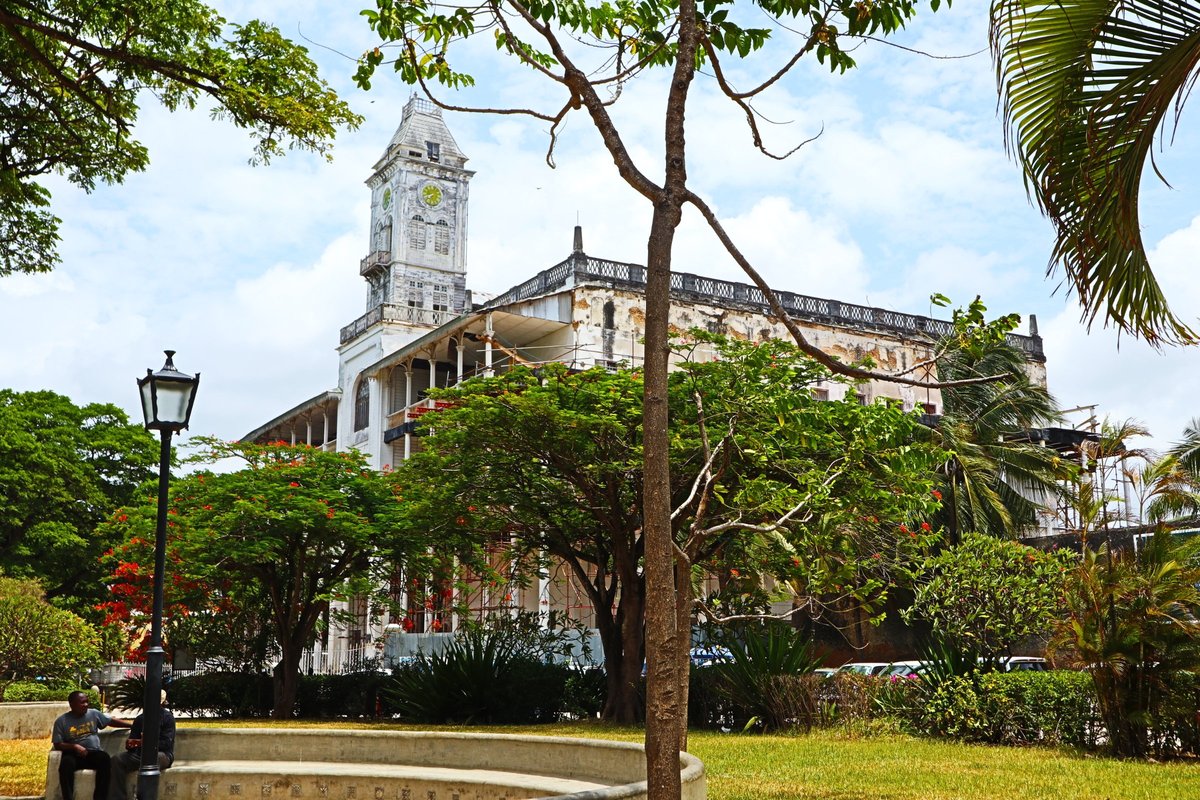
131	759
76	736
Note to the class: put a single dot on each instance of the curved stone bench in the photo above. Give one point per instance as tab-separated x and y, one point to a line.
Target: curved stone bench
320	764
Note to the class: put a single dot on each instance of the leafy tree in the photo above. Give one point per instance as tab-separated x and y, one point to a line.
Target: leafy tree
293	530
1134	622
997	478
63	469
590	52
767	481
985	595
72	77
38	640
1085	87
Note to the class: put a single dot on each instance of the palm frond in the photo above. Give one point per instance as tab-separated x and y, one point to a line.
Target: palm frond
1085	87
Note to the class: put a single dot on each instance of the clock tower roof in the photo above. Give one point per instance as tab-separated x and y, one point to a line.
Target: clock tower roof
423	134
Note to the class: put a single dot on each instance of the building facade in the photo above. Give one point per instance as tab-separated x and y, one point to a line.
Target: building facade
420	330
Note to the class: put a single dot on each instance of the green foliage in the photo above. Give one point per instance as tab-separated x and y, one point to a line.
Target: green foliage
997	479
40	692
40	641
481	677
751	681
226	695
420	37
276	541
75	74
63	469
1085	86
357	695
986	595
826	497
1014	708
1134	621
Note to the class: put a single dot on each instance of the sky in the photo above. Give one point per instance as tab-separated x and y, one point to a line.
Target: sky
249	271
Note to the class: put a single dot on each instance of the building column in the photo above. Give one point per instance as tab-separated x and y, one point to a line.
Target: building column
375	421
432	379
308	430
487	349
407	405
461	348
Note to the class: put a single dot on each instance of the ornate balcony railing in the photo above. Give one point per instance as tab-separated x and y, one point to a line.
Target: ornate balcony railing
379	258
580	268
390	312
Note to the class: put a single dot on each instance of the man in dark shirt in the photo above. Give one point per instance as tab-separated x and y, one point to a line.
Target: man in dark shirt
131	759
76	736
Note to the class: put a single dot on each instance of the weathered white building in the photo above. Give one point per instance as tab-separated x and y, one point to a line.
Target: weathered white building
420	329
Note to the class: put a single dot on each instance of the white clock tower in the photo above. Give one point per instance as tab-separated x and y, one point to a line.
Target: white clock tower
418	251
415	268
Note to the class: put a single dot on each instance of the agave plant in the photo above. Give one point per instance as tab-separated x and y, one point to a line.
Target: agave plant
759	677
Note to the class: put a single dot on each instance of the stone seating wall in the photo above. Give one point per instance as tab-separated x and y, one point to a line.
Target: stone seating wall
312	764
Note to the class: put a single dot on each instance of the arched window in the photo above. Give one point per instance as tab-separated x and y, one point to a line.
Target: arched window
441	238
609	316
362	404
416	233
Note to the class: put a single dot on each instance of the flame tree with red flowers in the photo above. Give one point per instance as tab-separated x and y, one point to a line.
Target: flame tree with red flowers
291	532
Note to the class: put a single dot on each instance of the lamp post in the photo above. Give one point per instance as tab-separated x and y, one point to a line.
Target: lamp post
167	397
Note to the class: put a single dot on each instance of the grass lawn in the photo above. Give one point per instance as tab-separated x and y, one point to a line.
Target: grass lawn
819	766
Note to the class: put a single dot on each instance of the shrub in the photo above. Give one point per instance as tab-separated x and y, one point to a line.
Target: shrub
1007	708
584	692
223	694
750	680
479	678
353	694
38	692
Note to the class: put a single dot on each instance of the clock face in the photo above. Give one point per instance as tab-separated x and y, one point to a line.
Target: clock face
387	199
431	195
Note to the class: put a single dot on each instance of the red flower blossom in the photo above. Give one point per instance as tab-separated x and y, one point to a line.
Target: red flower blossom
925	526
735	573
294	485
936	494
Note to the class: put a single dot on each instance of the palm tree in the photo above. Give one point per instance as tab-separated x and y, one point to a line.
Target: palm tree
1132	622
1173	482
998	478
1085	85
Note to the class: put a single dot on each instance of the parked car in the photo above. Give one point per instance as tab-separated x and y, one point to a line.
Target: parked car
866	667
905	669
1024	664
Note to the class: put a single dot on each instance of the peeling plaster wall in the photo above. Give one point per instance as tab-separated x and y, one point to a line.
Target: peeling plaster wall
890	352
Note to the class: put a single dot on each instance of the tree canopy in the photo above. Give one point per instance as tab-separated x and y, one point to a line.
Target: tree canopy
985	595
285	536
63	469
40	641
827	497
72	78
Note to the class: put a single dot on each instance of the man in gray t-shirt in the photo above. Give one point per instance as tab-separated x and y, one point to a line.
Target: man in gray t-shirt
76	736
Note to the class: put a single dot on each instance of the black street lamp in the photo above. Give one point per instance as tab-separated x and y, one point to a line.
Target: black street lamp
167	397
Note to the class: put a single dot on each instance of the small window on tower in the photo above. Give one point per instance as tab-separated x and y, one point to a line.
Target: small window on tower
416	233
441	238
434	150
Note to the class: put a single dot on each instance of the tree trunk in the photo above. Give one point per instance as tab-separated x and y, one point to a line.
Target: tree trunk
623	652
683	623
286	683
662	635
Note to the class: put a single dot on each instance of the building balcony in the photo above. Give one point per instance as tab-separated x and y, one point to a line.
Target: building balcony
376	260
